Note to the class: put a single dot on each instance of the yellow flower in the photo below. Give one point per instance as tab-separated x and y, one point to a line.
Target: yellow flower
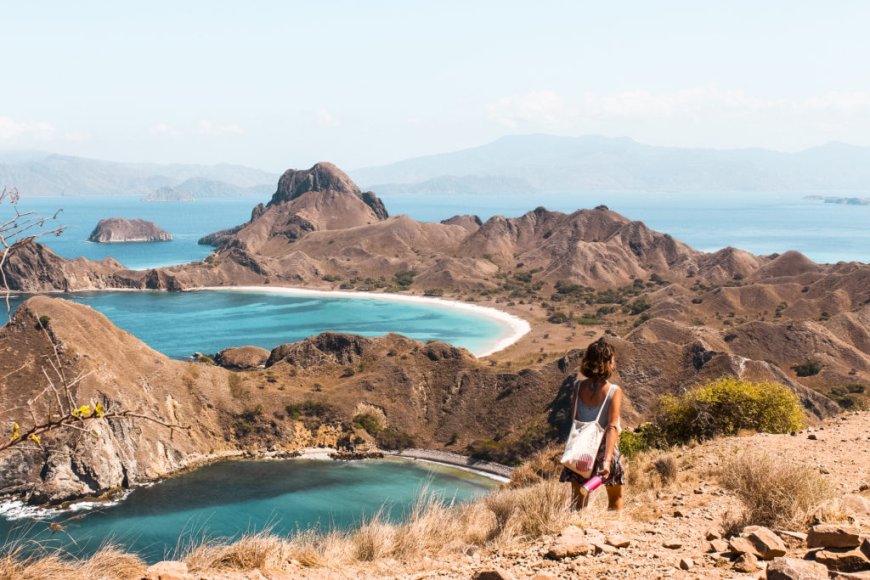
83	411
16	431
98	409
35	438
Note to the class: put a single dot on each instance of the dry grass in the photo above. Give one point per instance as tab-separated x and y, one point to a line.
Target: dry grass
108	563
431	528
543	465
775	492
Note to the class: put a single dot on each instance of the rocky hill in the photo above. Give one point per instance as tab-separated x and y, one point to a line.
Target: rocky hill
121	230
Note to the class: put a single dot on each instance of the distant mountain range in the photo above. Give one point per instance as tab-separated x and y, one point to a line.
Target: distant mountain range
547	163
41	174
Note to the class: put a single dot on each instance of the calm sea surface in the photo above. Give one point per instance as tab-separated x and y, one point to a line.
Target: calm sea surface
233	498
761	223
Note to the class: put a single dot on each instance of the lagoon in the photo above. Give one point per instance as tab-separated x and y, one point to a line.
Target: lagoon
228	499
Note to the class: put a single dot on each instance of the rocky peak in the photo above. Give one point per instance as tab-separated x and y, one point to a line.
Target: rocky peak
322	176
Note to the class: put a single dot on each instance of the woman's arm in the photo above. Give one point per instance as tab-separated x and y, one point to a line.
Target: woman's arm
611	437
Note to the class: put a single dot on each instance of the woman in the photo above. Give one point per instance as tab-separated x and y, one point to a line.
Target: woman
590	395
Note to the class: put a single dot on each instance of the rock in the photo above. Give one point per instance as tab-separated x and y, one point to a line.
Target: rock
602	548
167	570
858	505
679	514
865	548
672	544
766	543
618	541
718	546
114	230
242	358
794	569
843	559
833	536
746	563
741	545
492	574
570	543
712	535
686	564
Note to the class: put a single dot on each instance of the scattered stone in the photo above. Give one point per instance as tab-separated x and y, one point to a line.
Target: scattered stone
167	570
679	514
603	548
570	543
857	504
618	541
746	563
843	559
672	544
686	564
833	536
712	535
766	543
741	545
718	546
492	574
794	569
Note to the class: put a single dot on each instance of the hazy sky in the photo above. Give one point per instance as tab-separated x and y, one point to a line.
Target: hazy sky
284	84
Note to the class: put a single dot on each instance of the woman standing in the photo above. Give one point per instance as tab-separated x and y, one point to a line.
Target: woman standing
595	396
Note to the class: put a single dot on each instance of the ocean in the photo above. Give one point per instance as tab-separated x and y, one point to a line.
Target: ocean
762	223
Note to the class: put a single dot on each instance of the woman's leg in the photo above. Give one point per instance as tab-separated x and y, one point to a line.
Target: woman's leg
579	499
614	497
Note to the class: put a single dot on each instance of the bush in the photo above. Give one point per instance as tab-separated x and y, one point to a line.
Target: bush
44	321
726	406
404	278
434	292
644	437
394	440
807	368
370	418
774	492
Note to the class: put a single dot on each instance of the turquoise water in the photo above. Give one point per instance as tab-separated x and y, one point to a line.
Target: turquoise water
762	223
186	221
229	499
181	323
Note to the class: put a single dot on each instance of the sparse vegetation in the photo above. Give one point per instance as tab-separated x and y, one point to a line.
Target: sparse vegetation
726	406
773	490
405	278
807	368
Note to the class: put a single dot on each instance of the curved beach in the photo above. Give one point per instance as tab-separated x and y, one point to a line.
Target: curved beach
515	327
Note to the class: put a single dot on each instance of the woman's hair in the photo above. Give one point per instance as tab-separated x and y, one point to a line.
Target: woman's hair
597	360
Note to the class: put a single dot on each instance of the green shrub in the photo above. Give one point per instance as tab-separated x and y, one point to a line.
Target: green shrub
44	321
404	278
646	436
434	292
807	368
394	440
726	406
369	422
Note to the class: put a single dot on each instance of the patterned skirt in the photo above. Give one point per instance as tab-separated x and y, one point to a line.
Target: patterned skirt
617	473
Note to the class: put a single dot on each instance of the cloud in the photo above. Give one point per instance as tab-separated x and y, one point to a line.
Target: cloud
550	110
325	119
206	127
164	130
12	130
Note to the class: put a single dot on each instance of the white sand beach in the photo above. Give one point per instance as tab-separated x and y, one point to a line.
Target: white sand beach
514	326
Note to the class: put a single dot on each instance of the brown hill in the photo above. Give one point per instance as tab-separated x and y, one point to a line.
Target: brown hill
116	230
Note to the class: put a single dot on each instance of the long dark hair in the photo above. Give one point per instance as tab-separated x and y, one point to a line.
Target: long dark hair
598	359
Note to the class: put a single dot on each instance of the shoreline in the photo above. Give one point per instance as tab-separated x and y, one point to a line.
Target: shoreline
515	327
489	469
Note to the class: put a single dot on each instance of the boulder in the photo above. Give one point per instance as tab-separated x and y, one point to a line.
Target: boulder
168	570
843	559
686	564
618	541
740	545
571	542
242	358
491	574
766	543
833	536
746	563
794	569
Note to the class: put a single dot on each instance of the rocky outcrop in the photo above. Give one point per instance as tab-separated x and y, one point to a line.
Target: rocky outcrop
117	230
31	267
242	358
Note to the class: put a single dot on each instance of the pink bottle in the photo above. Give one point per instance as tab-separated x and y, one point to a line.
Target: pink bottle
591	485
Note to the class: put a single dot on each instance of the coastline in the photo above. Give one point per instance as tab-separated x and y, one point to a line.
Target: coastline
489	469
515	327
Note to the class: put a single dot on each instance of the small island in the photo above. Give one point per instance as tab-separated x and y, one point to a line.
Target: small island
167	194
121	230
840	200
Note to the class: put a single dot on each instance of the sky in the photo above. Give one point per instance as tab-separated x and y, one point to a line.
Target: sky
278	84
